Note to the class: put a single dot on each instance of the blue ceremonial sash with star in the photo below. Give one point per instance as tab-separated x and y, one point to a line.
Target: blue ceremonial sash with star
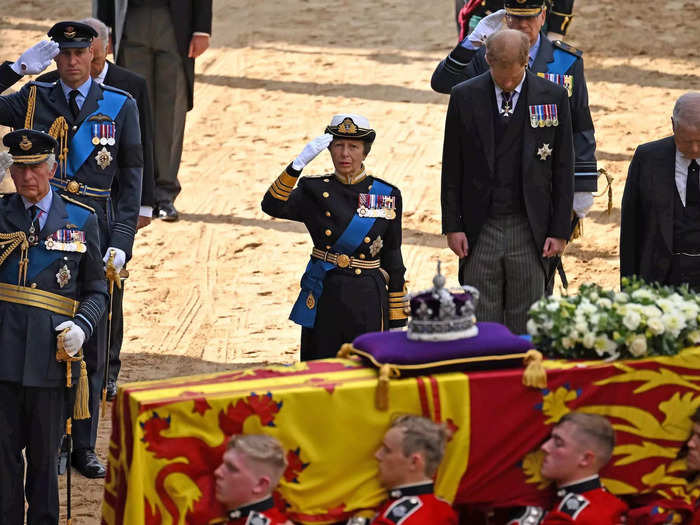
81	146
306	305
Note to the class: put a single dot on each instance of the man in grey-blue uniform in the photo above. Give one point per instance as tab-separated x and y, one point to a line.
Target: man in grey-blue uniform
99	139
556	61
51	282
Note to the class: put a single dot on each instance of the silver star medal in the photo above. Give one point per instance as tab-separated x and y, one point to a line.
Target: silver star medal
63	276
544	152
103	158
376	246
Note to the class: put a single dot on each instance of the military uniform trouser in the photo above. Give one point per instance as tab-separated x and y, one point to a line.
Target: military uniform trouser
149	48
31	418
349	306
117	333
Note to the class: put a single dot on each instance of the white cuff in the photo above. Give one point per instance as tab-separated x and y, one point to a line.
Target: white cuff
200	33
16	68
146	211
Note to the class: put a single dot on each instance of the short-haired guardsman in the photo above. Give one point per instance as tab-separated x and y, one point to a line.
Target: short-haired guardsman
51	283
97	128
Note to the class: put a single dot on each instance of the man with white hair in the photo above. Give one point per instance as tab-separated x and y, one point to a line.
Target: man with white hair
354	282
660	228
51	284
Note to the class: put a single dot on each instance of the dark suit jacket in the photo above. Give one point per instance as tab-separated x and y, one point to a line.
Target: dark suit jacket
646	230
188	16
469	156
135	85
451	71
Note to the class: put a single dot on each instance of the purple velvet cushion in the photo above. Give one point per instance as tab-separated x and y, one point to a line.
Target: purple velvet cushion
494	339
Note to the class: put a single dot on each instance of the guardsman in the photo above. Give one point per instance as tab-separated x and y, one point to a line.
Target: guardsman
556	61
408	459
580	446
248	475
51	281
100	141
354	282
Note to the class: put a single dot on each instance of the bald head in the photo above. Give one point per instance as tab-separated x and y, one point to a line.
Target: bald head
686	124
507	47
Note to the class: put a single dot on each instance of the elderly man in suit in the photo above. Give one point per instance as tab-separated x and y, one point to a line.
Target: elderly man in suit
660	230
160	39
98	125
105	72
507	180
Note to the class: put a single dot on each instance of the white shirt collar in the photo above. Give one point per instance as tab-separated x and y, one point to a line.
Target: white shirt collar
44	204
681	174
101	77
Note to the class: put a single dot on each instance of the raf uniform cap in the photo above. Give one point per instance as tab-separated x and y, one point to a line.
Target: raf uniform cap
28	146
72	34
350	126
524	7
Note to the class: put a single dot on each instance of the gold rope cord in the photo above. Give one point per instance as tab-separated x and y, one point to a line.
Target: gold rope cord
59	131
9	243
31	103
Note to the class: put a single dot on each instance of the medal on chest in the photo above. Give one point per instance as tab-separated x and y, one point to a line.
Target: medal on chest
63	276
378	206
66	240
103	158
542	115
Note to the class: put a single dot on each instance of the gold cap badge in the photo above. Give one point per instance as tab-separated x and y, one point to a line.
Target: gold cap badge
26	144
69	32
347	126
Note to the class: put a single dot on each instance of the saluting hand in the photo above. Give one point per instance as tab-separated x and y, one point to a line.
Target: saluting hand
5	163
35	59
486	27
457	242
311	151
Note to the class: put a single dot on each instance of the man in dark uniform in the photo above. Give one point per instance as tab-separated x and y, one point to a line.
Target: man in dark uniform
248	475
408	459
507	181
660	226
105	72
98	126
471	12
160	40
355	223
556	61
51	280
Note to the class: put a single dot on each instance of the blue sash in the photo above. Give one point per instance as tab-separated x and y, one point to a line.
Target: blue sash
39	257
81	146
562	62
305	307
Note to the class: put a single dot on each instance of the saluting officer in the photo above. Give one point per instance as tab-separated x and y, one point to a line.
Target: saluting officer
99	138
556	61
51	279
354	282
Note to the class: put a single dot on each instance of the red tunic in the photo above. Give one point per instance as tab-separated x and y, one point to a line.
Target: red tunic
415	505
592	507
259	513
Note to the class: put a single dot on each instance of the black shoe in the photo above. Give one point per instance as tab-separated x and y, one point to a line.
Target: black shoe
167	212
111	391
86	462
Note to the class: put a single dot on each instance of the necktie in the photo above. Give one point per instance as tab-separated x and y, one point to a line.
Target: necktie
692	186
506	103
34	228
73	103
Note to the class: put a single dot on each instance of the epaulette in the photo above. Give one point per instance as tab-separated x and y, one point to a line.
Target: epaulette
566	47
117	90
527	516
394	186
316	176
77	203
41	84
402	509
573	504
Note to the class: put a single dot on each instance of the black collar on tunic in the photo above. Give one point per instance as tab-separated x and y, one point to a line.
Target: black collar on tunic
260	506
412	490
580	488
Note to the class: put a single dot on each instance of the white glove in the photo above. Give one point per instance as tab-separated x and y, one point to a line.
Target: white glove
583	201
73	339
5	163
486	27
119	258
311	151
35	59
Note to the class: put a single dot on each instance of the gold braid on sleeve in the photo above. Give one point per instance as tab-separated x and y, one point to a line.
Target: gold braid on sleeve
31	104
283	186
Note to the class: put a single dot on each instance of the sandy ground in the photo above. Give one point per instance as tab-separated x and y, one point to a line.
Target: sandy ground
213	291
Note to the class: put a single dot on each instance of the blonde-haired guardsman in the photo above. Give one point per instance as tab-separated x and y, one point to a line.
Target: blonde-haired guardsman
354	281
97	127
51	282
